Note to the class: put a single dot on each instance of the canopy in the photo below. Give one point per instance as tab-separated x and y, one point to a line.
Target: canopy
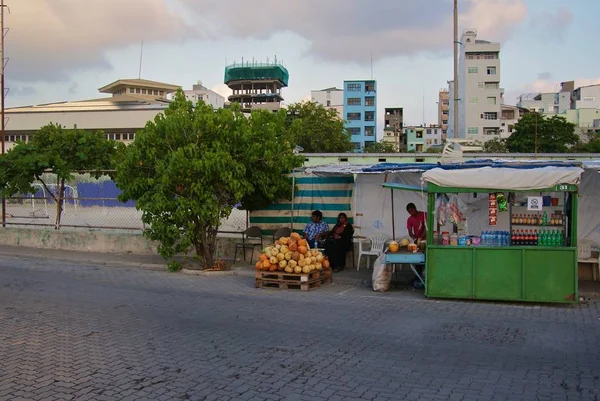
516	178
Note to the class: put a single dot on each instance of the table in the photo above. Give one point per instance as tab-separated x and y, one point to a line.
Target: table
408	258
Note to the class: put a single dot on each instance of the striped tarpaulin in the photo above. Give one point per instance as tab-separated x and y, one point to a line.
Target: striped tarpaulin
330	195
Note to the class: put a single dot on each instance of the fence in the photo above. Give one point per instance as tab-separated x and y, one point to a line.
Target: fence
89	203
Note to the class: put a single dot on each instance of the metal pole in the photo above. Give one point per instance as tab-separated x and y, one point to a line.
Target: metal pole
536	138
393	217
2	58
456	43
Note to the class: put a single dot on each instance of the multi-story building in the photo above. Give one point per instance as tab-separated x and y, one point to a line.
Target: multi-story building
415	139
480	95
580	106
510	116
133	102
200	92
360	112
434	135
393	129
330	98
256	85
443	110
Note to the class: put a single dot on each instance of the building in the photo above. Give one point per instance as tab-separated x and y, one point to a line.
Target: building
509	117
200	92
133	102
360	112
580	106
434	135
479	92
443	110
415	139
256	85
330	98
393	129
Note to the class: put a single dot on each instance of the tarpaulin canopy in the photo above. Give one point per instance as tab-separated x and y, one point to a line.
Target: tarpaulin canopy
518	178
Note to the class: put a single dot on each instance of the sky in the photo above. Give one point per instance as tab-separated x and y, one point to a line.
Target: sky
63	50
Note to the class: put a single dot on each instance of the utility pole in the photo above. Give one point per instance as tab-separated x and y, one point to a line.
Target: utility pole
536	134
2	64
456	43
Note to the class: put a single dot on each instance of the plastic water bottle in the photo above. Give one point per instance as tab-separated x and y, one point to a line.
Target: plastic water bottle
484	241
316	244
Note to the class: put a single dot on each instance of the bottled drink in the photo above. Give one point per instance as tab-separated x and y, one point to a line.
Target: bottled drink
535	238
545	219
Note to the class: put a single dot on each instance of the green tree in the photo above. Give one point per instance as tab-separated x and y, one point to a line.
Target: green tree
317	129
379	147
591	146
188	168
554	135
55	150
495	146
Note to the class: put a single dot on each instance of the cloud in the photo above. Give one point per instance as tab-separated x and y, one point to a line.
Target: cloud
546	76
19	91
50	39
350	30
547	24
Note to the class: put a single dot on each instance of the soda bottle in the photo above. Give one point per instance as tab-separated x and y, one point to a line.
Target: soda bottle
535	238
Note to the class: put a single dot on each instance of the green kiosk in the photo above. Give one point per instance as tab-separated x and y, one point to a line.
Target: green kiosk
501	231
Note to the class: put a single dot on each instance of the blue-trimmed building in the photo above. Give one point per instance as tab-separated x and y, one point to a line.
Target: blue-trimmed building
360	112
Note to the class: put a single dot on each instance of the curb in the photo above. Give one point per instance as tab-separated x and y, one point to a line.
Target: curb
216	273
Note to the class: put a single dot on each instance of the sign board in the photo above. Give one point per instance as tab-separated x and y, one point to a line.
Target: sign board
535	203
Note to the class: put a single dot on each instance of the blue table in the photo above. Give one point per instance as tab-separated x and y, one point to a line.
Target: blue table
407	258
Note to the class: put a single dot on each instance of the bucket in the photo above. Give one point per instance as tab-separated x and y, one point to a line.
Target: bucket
554	201
547	200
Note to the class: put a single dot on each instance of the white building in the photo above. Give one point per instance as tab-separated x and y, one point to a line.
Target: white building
580	106
331	98
451	97
200	92
433	136
133	102
479	89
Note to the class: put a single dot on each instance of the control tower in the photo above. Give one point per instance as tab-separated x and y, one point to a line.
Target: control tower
256	85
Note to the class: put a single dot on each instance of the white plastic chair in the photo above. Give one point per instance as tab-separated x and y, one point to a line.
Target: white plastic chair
377	242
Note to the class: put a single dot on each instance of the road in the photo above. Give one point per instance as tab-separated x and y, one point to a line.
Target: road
100	333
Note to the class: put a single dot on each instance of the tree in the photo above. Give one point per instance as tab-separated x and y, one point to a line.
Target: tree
317	129
495	146
188	168
55	150
380	147
591	146
554	135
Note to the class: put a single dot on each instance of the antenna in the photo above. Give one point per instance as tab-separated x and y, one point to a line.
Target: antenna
424	107
141	57
371	65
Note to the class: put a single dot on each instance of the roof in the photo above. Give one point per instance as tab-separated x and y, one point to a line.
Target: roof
106	103
333	88
138	82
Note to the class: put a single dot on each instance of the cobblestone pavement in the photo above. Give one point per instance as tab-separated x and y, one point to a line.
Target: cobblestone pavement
98	333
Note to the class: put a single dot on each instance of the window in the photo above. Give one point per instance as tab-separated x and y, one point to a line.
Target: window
428	131
490	131
480	85
491	70
419	134
473	70
489	115
353	87
356	147
369	131
369	116
511	128
491	100
473	100
354	101
137	90
589	98
492	85
370	87
353	116
160	93
473	130
370	101
482	56
143	91
155	93
354	130
131	90
328	103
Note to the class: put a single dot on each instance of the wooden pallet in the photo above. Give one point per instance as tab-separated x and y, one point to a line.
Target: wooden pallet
285	281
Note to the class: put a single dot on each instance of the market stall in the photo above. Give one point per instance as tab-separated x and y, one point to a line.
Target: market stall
527	251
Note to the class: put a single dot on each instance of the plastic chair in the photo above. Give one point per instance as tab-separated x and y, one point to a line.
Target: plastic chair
282	232
377	242
251	238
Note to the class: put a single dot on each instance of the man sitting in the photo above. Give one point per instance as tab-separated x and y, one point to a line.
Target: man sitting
314	228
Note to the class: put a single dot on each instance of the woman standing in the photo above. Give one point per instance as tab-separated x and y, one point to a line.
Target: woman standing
338	242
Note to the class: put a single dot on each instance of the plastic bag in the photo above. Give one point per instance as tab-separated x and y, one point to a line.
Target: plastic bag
441	210
382	275
457	209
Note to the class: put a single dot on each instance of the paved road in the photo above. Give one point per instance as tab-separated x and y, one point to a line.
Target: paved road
98	333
